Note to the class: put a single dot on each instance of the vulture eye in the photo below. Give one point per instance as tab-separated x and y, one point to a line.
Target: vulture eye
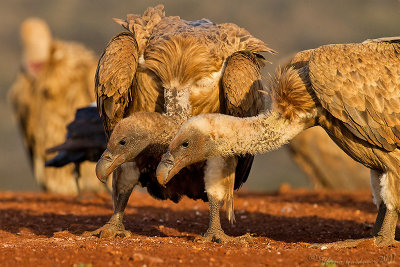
122	142
185	144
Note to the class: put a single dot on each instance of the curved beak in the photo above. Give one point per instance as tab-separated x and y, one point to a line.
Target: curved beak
107	164
166	169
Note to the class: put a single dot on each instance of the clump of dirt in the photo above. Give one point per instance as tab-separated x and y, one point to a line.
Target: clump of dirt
44	229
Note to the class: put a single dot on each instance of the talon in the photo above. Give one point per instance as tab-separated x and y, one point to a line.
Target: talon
218	236
381	241
108	231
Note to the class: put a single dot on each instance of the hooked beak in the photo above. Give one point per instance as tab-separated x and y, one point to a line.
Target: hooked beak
166	169
107	164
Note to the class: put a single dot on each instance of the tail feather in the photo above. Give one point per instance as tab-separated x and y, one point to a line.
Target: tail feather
229	198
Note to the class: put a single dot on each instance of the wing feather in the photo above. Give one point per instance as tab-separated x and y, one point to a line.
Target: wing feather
241	83
359	84
114	78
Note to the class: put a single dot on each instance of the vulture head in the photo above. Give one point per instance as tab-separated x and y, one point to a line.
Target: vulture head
36	40
129	138
194	142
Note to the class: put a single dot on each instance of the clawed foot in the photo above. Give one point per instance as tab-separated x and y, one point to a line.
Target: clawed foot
219	236
381	241
378	241
109	231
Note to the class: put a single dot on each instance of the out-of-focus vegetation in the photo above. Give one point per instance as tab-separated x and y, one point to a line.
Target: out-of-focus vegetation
287	26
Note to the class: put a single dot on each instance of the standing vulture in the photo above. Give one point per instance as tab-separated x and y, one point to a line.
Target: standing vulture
350	90
56	78
151	68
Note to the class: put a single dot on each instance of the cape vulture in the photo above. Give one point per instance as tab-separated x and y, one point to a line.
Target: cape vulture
56	78
350	90
158	65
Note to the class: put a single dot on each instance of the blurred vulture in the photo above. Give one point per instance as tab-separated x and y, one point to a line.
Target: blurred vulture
85	141
350	90
56	78
160	65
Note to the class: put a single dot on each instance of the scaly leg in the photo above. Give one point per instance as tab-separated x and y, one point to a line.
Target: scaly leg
125	178
219	180
385	227
77	173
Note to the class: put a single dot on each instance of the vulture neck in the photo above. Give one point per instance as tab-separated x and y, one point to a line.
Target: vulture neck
177	110
256	135
177	104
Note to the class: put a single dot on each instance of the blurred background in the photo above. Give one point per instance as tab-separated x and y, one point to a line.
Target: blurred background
286	26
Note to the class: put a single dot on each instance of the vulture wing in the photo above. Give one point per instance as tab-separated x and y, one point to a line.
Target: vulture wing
301	59
114	79
359	84
242	84
85	139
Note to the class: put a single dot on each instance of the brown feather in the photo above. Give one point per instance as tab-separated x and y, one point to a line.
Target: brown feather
365	90
291	92
44	104
243	71
114	76
175	54
181	59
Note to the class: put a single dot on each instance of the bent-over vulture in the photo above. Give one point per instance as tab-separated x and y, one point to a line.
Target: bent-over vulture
56	78
85	141
350	90
151	67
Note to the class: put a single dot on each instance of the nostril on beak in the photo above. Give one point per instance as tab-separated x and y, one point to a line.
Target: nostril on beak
168	158
106	156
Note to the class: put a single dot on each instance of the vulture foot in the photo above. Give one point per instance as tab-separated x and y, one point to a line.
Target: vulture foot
109	230
381	241
218	236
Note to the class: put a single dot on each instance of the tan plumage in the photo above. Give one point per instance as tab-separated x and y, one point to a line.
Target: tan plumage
372	112
56	79
163	52
164	59
351	90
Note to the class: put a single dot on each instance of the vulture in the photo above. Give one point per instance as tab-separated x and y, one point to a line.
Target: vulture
85	141
351	90
177	68
56	77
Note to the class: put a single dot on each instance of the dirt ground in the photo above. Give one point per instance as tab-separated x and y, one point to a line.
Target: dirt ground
38	229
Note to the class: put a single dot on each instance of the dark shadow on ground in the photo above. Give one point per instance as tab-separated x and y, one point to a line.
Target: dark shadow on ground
146	221
343	200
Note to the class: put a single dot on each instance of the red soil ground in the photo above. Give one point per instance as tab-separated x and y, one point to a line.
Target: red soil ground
38	229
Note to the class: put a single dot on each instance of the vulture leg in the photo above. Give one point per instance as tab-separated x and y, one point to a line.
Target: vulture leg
384	228
77	173
219	181
125	178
